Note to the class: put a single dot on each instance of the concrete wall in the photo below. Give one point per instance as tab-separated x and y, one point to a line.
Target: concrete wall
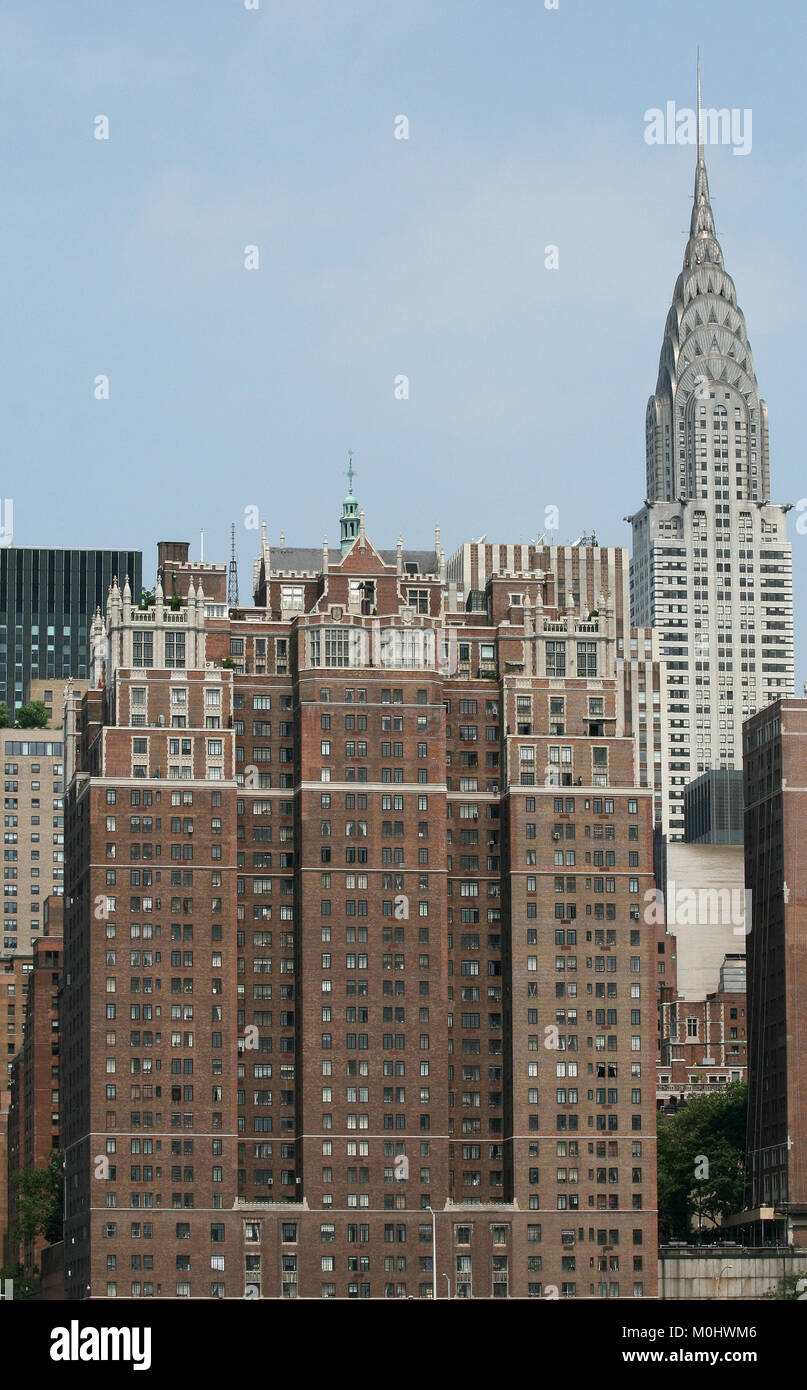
726	1274
696	875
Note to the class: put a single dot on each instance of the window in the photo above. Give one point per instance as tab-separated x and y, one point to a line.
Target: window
586	658
175	649
142	649
556	658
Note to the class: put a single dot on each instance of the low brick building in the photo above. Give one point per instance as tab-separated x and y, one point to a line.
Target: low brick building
704	1043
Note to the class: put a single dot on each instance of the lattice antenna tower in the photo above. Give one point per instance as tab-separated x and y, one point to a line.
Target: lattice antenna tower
232	575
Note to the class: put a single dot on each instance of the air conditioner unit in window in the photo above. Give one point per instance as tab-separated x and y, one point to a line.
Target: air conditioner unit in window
555	834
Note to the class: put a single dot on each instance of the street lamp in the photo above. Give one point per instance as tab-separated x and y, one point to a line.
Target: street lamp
448	1281
434	1252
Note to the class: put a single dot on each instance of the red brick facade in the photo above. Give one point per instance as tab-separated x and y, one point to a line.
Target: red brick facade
354	932
35	1114
704	1045
775	786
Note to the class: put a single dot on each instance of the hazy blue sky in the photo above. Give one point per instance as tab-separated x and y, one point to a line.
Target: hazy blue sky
274	127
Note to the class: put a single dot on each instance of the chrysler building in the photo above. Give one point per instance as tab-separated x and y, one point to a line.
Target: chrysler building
711	564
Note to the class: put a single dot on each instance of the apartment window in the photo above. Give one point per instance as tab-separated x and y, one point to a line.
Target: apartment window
556	658
586	658
175	649
142	649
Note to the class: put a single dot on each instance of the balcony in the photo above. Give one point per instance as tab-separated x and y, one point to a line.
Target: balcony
149	615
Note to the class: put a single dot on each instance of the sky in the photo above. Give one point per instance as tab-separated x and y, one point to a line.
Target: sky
158	377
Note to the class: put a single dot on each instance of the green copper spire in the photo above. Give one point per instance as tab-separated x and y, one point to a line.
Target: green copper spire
349	520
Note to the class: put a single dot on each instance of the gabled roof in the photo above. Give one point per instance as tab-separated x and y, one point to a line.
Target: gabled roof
295	558
298	559
426	560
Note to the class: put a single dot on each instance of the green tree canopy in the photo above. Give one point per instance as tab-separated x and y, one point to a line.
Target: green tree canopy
40	1202
791	1288
701	1161
34	715
23	1286
5	717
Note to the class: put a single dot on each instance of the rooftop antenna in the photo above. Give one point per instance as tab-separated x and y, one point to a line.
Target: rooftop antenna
700	113
232	577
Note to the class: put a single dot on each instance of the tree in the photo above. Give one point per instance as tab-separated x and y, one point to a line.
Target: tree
701	1156
34	715
791	1288
5	717
40	1203
148	598
23	1286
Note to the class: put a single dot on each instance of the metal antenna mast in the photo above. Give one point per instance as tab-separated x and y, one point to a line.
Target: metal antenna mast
232	576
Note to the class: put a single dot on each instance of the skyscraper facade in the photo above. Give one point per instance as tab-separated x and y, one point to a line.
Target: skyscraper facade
33	832
775	775
711	563
358	989
47	600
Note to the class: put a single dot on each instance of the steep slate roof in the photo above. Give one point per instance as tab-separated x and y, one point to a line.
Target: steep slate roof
305	559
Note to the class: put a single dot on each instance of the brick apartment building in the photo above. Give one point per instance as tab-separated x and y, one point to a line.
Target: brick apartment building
33	871
15	975
703	1042
355	957
775	782
52	695
33	832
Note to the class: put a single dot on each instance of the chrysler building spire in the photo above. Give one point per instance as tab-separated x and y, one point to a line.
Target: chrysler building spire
700	114
703	244
705	349
711	564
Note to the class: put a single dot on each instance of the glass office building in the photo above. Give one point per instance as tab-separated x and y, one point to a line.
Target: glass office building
47	599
